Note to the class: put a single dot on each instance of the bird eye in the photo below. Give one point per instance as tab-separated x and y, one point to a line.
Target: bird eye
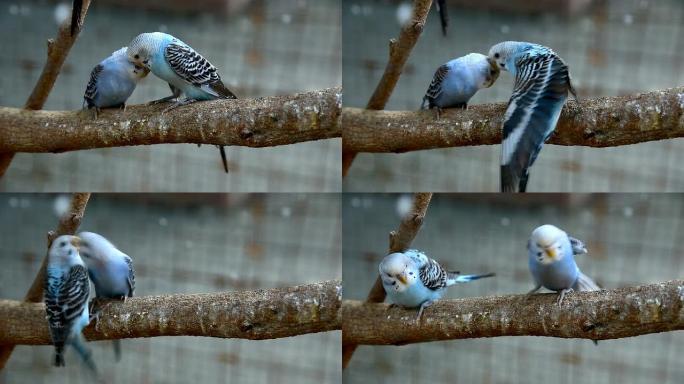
411	273
496	55
539	253
62	244
136	56
146	61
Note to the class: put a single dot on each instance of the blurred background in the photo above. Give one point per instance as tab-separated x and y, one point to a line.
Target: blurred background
613	47
187	244
632	239
260	47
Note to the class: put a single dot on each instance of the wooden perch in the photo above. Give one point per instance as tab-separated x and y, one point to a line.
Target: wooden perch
399	240
596	122
399	52
260	122
255	315
608	314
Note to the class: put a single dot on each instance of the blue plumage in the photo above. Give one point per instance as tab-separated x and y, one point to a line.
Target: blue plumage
113	81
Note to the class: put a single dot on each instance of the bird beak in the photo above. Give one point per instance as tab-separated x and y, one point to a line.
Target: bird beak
402	278
550	252
76	241
493	65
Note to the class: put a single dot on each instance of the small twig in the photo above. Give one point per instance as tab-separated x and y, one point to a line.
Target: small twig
260	122
596	122
399	240
607	314
399	51
68	225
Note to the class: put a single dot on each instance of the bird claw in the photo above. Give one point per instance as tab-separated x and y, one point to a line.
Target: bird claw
562	295
178	103
422	307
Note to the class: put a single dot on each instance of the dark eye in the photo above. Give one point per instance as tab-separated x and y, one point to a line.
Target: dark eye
62	244
411	273
496	55
136	56
539	253
145	61
394	282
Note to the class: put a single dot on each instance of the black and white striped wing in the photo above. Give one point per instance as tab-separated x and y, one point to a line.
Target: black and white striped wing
196	70
577	245
65	300
131	276
541	87
91	88
435	88
433	276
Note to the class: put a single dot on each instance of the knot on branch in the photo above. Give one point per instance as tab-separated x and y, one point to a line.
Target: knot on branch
418	27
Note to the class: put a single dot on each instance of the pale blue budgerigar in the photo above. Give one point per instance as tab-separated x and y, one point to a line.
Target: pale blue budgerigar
110	270
455	82
552	263
113	81
186	71
66	298
413	280
542	82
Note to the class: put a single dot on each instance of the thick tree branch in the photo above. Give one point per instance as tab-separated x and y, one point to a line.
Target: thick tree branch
68	225
57	51
596	122
608	314
260	122
399	240
255	315
399	52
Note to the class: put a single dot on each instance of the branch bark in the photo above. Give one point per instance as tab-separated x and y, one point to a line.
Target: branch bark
68	225
399	51
399	240
608	314
57	50
595	122
260	122
255	315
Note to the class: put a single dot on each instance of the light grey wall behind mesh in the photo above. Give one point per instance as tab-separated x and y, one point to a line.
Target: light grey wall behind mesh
632	239
267	48
615	48
188	244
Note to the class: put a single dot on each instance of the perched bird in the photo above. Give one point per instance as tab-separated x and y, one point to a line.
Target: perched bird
113	81
66	298
443	15
110	270
542	82
413	280
552	262
457	81
186	71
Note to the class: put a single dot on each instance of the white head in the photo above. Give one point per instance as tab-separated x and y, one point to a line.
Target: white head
137	72
487	68
96	250
64	251
142	48
505	53
546	243
398	271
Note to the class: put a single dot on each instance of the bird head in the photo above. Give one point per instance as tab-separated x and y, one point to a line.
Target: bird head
546	243
504	54
140	50
398	271
64	250
95	249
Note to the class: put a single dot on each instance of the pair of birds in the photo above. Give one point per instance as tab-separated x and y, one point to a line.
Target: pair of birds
187	72
71	260
542	83
413	280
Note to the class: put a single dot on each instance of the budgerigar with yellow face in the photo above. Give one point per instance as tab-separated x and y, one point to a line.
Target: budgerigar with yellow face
551	259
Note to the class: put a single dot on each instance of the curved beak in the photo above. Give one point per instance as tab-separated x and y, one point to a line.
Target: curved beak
402	278
550	252
493	65
76	241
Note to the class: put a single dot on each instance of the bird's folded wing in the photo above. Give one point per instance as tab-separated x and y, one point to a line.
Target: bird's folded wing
196	70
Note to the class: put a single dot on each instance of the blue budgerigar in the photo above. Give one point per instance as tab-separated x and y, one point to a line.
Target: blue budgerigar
455	82
186	71
551	254
66	298
113	81
542	82
110	270
413	280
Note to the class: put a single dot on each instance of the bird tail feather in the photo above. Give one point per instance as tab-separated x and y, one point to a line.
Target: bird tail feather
455	277
59	356
117	349
224	160
585	284
84	352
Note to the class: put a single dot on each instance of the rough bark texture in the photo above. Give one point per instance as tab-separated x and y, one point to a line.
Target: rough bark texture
57	50
260	122
68	225
255	315
608	314
399	52
399	240
596	122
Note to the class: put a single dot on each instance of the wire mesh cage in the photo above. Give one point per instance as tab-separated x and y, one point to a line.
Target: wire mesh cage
187	244
632	239
612	47
260	48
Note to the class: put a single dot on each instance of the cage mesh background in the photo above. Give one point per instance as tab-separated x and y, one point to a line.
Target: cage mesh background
632	240
615	47
264	48
188	244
